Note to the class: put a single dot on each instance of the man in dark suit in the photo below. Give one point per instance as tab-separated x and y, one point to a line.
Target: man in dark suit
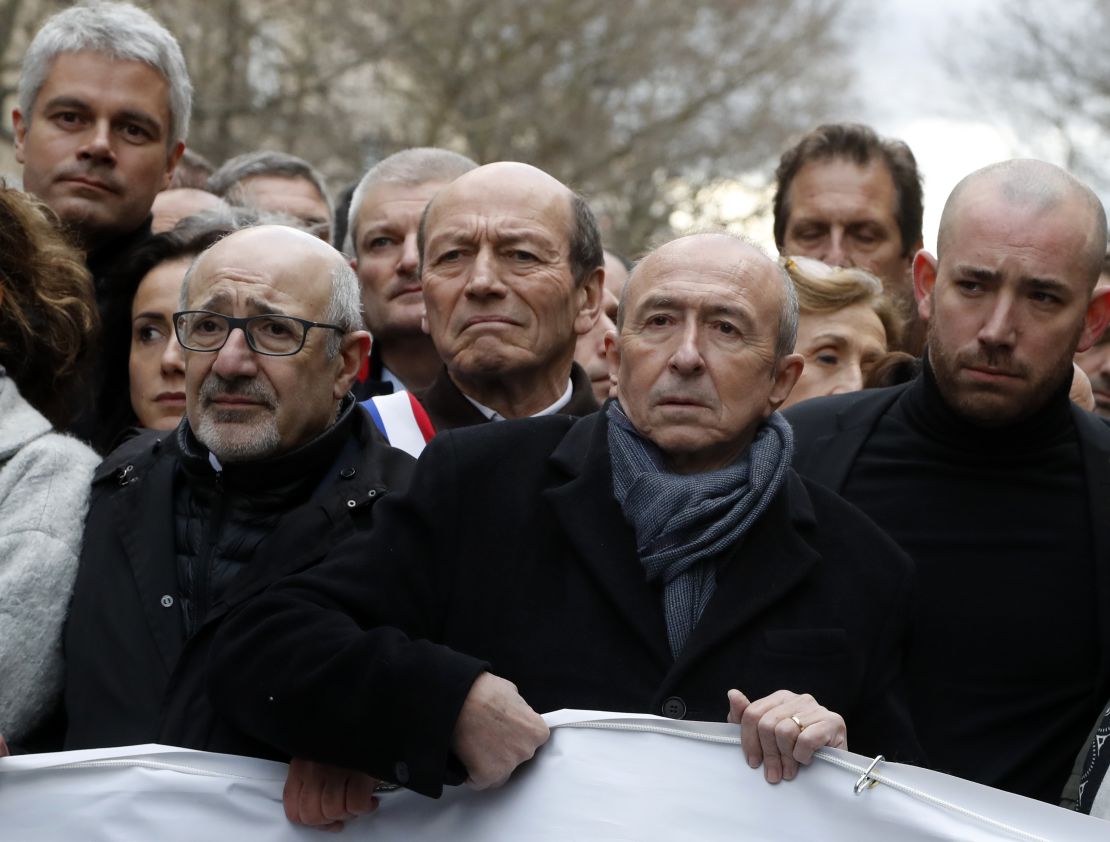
653	557
993	481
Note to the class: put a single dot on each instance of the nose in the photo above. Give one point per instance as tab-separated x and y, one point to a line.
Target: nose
173	359
98	143
236	359
686	358
410	257
848	379
835	252
484	280
999	329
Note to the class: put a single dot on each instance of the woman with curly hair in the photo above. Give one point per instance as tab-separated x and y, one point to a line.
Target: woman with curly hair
47	318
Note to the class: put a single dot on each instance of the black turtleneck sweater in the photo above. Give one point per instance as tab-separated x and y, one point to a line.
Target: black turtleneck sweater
1001	668
221	516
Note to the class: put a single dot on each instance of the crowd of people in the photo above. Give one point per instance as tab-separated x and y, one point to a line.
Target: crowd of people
857	495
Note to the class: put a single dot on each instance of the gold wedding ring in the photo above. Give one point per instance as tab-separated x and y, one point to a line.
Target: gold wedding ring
798	722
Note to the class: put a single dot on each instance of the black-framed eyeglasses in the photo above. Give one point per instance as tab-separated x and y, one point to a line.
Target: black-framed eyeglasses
272	335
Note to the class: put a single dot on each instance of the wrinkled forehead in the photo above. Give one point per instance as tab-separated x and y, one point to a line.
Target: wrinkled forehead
247	273
495	203
707	270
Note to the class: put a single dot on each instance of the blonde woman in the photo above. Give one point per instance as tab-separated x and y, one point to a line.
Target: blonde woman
845	325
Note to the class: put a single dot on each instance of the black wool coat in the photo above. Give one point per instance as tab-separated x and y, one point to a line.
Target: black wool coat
131	675
510	554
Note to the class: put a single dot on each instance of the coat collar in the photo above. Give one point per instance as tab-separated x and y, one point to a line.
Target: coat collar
449	409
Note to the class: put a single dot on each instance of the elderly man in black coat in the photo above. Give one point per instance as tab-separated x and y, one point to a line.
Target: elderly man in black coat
658	556
273	464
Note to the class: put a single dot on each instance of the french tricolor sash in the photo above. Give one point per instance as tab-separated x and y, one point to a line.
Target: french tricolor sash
402	420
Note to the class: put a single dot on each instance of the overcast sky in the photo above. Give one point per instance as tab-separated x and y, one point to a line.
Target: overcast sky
907	93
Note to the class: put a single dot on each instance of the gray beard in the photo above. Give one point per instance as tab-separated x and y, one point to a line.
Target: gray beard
233	442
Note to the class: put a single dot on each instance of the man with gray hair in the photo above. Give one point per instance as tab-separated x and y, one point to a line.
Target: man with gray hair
659	556
384	217
279	183
272	465
104	105
102	115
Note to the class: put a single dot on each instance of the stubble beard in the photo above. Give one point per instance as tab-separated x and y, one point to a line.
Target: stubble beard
985	406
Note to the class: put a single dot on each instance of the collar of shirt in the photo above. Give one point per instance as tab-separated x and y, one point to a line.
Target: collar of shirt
494	415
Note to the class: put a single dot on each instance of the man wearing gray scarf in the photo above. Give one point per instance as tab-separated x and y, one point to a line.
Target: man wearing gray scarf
657	556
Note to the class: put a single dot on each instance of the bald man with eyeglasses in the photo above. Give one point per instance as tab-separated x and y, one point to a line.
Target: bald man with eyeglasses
272	465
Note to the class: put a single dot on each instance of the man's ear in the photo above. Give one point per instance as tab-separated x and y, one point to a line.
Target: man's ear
171	162
589	301
924	281
20	133
1097	318
787	372
613	351
355	349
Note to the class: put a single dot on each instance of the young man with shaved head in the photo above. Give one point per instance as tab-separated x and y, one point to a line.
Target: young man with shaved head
992	480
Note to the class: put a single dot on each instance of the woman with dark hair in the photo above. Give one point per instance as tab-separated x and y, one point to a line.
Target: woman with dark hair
144	382
47	318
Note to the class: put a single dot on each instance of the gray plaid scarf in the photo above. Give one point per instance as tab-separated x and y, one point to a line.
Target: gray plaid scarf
682	521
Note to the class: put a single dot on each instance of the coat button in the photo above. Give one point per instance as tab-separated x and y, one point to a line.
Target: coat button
347	473
674	708
371	493
351	504
167	601
401	772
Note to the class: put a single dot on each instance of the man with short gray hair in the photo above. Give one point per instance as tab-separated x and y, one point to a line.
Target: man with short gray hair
273	464
279	183
104	106
384	216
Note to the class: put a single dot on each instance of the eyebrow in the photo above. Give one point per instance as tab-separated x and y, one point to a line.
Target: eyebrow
666	302
66	102
150	314
502	237
834	338
261	306
1040	284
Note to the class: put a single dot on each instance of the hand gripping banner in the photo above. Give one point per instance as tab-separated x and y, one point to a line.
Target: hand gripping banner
602	776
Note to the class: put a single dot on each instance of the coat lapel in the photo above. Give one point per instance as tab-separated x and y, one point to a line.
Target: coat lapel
144	516
831	456
767	564
603	541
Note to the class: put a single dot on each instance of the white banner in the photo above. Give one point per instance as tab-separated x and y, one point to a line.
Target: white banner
601	776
